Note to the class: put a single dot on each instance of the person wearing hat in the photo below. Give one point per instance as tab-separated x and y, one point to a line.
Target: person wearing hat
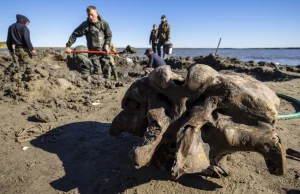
19	35
163	35
154	60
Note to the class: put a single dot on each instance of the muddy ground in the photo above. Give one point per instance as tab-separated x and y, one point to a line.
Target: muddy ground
69	149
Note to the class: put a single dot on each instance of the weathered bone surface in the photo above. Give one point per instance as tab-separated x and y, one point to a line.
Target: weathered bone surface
195	121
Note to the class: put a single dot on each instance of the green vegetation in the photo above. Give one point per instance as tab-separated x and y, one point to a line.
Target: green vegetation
2	44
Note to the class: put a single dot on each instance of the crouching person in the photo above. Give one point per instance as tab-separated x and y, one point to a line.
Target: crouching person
81	61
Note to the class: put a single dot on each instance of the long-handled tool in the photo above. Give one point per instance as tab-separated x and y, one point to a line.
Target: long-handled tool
95	52
218	46
127	50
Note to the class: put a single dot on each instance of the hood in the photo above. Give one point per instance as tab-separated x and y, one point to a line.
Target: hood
22	19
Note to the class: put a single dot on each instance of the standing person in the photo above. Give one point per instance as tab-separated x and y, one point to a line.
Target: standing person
19	35
163	36
112	61
98	36
153	38
154	60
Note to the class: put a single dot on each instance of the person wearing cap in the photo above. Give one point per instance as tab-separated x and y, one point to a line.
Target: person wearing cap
154	60
19	35
153	38
163	35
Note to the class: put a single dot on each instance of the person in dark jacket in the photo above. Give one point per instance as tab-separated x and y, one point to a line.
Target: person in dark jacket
153	38
19	35
98	36
154	60
163	36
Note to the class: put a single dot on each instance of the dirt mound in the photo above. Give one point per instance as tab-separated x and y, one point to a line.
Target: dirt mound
263	71
51	82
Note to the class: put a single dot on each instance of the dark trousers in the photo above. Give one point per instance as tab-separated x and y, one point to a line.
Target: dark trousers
159	47
154	45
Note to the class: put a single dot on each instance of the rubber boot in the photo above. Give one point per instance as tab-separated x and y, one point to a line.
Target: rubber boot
115	74
107	73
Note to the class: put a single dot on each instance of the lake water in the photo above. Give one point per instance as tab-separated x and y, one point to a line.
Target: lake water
282	56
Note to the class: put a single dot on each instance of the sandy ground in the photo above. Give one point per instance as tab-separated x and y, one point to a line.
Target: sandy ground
83	158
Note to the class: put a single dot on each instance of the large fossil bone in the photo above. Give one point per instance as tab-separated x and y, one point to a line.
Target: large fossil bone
199	119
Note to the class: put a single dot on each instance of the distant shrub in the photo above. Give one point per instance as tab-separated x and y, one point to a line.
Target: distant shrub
2	44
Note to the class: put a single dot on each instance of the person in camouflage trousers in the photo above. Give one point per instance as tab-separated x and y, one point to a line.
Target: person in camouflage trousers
81	61
18	40
112	62
24	55
98	36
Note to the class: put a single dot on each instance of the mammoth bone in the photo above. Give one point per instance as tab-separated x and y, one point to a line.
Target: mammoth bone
192	123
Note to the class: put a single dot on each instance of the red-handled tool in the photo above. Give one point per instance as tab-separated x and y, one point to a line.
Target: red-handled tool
95	52
127	50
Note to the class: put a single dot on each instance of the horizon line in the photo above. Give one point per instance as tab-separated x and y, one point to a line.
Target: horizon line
186	47
198	47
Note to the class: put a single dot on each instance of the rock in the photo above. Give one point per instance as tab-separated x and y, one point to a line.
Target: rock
43	116
60	103
119	84
42	72
64	84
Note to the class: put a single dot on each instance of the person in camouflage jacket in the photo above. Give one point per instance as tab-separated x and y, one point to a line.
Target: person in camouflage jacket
98	36
81	61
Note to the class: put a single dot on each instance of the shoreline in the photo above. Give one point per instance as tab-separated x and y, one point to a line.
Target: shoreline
290	56
191	48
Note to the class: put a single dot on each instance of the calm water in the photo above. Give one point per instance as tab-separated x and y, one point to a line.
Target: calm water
282	56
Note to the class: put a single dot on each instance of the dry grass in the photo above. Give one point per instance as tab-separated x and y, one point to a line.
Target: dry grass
3	45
